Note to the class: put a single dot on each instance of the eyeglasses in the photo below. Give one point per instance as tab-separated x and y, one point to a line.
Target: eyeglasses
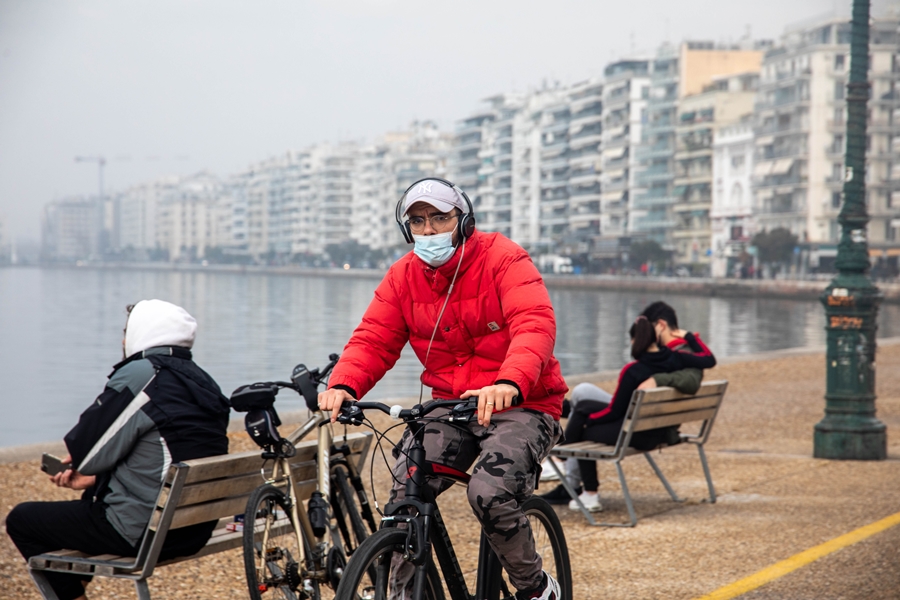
438	222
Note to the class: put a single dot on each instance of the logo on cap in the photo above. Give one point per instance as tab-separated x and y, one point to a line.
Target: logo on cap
424	187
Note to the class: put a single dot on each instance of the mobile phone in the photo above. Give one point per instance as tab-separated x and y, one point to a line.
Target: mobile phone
51	465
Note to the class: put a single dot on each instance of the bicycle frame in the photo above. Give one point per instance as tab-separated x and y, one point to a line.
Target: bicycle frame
433	534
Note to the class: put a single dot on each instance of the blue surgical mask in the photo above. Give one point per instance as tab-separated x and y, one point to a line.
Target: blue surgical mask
436	249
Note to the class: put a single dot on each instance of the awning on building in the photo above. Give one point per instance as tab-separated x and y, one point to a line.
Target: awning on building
615	132
762	169
764	140
782	166
764	194
614	153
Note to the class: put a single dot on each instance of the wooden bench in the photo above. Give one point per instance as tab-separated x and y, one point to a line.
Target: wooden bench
651	409
195	491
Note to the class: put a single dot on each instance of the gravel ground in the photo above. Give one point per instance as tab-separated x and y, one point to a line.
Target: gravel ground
774	501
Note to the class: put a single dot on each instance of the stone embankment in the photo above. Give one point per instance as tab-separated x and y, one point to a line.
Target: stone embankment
692	286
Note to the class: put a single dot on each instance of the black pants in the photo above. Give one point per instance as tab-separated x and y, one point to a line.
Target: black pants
38	527
580	428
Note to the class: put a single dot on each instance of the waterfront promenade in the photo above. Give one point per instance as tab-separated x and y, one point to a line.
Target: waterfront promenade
778	507
795	289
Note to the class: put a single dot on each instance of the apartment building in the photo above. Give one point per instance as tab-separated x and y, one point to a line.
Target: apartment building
189	217
384	170
138	213
731	212
801	136
499	158
676	73
725	101
72	229
585	166
625	94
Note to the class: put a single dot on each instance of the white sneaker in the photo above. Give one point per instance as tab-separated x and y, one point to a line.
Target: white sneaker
591	502
551	590
547	472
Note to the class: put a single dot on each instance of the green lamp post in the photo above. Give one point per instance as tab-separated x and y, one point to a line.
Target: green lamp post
850	429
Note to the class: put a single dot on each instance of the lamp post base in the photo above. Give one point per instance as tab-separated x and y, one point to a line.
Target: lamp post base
860	439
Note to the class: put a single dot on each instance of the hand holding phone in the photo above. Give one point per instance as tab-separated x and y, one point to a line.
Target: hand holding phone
51	465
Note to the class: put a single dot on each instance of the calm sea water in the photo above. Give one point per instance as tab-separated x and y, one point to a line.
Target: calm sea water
61	331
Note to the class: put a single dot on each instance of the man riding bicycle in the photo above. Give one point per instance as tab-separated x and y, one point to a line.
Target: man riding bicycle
478	316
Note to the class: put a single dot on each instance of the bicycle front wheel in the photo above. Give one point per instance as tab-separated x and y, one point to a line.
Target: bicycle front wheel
378	569
549	543
271	551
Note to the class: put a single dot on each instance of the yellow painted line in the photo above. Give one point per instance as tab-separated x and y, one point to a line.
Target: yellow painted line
793	563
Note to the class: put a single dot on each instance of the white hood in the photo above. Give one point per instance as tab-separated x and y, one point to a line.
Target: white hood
158	323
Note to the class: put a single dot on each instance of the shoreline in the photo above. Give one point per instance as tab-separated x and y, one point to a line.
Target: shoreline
26	452
792	289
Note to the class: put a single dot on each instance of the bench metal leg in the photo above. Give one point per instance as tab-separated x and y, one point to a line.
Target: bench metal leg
709	483
628	502
43	584
662	478
142	589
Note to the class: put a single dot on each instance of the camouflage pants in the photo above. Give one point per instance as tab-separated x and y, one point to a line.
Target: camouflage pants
507	457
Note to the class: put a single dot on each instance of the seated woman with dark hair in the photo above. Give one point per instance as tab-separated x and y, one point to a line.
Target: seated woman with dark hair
600	421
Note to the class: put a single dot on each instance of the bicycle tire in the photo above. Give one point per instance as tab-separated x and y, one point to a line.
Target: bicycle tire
281	576
550	544
344	502
380	554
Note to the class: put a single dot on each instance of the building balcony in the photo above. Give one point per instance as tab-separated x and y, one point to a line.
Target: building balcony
584	178
556	127
646	152
692	207
579	121
693	178
655	174
551	184
615	185
580	141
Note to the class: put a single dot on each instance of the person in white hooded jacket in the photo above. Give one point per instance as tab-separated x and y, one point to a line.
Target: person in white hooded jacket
158	407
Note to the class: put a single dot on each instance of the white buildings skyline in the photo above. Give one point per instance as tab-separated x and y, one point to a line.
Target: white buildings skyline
697	148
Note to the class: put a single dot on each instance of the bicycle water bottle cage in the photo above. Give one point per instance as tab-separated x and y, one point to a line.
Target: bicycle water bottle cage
254	396
261	425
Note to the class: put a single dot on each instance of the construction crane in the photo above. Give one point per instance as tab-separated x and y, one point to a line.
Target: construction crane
101	162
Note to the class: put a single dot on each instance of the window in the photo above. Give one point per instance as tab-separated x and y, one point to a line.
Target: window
838	62
839	90
835	200
737	161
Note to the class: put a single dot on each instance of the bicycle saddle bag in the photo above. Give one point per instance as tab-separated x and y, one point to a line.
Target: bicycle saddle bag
253	397
261	425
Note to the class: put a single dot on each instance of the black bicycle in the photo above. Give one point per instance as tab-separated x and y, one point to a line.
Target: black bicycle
290	552
413	531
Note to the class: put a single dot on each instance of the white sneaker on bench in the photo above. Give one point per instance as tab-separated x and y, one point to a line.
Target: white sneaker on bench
591	502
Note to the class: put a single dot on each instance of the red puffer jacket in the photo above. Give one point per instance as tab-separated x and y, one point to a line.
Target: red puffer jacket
498	326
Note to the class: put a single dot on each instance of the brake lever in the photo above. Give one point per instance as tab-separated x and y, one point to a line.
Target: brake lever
464	411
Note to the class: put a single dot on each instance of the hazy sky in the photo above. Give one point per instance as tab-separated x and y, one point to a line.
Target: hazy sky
174	86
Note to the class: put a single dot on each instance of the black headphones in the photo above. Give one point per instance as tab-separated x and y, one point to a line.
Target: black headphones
465	224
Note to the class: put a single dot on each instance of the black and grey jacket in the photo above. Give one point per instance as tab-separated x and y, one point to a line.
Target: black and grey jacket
158	408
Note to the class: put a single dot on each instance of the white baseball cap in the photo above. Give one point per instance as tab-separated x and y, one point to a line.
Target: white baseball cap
437	194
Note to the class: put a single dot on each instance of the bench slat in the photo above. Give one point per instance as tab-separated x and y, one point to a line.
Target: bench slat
224	507
227	465
708	388
676	419
244	484
675	406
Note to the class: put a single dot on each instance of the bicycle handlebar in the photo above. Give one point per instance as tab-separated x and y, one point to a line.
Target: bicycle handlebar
461	410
